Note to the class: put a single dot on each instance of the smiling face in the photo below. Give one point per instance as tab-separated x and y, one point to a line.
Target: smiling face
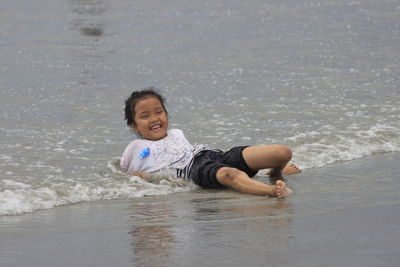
150	120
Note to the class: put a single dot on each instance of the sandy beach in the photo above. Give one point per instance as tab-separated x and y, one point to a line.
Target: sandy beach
343	215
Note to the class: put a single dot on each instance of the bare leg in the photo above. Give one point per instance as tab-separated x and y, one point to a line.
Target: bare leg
269	156
240	181
275	157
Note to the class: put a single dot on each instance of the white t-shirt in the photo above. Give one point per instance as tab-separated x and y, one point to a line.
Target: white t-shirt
174	152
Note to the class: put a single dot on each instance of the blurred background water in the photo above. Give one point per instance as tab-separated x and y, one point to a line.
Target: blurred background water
319	76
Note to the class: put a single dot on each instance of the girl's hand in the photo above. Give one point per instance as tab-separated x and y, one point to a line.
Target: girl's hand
140	174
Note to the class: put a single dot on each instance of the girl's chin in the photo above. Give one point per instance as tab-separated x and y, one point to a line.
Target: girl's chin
156	135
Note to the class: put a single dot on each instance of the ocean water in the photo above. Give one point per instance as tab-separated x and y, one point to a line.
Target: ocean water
322	77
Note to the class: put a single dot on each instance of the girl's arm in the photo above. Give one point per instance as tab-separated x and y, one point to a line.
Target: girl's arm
140	174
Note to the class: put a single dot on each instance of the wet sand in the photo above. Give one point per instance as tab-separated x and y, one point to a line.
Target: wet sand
344	215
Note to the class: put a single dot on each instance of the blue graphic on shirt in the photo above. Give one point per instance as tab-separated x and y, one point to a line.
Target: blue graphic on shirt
144	153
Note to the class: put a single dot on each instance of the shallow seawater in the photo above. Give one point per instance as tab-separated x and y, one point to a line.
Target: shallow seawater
338	216
321	77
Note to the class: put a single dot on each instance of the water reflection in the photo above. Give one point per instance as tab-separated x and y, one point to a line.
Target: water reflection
230	227
152	239
239	227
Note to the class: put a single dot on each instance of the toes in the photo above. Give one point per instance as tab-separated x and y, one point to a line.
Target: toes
278	186
296	168
281	189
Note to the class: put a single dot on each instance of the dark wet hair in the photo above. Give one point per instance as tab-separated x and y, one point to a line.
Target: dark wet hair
135	97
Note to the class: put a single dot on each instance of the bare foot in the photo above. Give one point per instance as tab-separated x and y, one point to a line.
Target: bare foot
281	189
291	169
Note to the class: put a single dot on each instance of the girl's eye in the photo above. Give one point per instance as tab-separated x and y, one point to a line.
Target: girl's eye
144	116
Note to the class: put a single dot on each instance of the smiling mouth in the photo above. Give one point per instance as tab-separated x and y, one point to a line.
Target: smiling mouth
155	127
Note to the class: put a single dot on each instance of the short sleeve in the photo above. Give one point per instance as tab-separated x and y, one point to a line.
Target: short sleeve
127	157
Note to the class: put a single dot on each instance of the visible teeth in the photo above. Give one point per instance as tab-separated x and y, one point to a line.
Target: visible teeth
155	127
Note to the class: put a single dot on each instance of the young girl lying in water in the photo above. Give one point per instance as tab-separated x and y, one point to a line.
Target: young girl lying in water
164	150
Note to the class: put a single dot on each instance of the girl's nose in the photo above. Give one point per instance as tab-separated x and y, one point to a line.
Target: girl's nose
153	119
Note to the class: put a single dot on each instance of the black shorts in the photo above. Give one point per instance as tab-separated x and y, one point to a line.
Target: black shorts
206	164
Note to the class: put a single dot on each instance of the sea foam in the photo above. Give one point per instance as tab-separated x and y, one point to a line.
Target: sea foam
111	184
348	145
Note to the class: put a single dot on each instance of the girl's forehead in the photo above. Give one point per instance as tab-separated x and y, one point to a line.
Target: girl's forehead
148	102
